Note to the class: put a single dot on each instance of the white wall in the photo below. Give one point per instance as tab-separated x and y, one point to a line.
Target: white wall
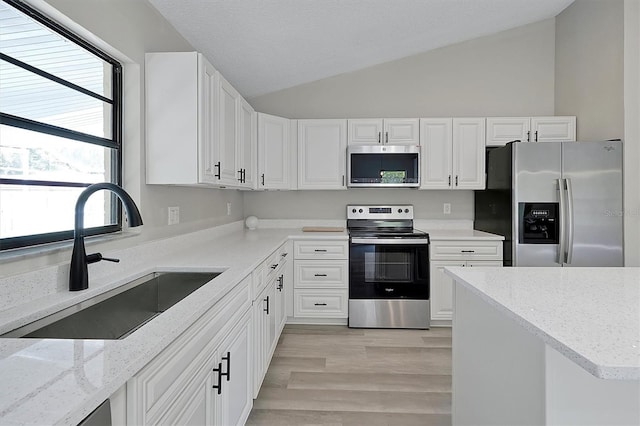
589	67
597	79
127	29
332	204
632	131
509	73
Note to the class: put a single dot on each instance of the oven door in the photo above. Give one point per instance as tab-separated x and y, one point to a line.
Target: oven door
388	268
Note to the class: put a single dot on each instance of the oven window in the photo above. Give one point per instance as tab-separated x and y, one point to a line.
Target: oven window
388	266
387	271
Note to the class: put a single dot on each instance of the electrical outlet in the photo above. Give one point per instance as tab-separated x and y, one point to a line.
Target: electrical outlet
446	208
174	215
228	209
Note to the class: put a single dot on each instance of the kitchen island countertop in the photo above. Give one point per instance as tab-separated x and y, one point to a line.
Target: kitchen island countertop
590	315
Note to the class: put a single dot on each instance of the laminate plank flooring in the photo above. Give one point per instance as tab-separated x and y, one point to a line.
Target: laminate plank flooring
334	375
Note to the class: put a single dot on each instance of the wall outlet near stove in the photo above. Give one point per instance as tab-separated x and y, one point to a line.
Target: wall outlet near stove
446	208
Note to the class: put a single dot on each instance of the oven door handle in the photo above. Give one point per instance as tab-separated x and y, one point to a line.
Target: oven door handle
396	241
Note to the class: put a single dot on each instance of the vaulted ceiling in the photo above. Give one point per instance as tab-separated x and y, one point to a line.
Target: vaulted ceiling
262	46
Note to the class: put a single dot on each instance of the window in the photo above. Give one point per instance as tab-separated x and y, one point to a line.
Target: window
60	130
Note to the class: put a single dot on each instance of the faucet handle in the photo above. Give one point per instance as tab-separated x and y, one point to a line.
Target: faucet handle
97	257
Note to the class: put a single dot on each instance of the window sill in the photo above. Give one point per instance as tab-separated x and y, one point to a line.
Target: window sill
26	253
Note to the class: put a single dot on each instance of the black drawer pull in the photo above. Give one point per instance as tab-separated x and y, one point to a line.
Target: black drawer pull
219	371
320	304
228	373
274	266
320	275
468	251
267	308
320	250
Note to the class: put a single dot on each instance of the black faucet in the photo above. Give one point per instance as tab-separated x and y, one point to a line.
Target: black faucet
78	275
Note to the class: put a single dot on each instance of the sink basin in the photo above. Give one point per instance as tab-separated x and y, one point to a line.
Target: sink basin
119	312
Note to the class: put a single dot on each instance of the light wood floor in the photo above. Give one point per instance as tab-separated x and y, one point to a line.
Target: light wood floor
334	375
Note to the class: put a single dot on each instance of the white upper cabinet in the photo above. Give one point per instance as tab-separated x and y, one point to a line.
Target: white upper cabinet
247	147
501	130
468	153
392	131
453	153
200	131
553	129
436	151
365	131
273	152
322	146
181	104
228	111
402	131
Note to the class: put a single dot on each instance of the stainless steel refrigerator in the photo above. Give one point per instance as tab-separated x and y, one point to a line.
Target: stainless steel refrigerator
556	203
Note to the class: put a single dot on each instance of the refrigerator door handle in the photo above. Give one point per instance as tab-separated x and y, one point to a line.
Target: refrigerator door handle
570	220
563	222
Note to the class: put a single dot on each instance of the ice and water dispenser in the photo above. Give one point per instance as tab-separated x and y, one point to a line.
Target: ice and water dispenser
539	223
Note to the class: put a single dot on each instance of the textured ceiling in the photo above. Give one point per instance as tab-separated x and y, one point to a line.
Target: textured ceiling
262	46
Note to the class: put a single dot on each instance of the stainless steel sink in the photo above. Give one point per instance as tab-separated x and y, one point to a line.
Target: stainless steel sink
119	312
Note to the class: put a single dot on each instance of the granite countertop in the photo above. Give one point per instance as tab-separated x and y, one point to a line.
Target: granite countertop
55	381
590	315
461	234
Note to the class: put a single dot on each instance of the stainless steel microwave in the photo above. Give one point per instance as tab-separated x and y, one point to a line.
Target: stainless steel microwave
383	166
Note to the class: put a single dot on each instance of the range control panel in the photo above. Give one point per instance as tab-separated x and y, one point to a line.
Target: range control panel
400	211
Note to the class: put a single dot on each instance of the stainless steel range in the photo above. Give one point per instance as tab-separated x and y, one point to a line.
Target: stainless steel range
388	268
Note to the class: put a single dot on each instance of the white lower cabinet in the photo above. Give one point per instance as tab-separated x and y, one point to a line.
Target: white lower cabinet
467	253
321	278
269	310
203	378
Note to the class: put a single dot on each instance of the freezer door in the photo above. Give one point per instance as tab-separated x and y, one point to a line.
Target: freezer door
593	172
536	170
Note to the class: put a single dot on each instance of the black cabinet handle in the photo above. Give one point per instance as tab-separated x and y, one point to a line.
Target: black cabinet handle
449	180
529	136
240	173
456	180
218	166
536	136
320	275
219	371
244	175
274	266
267	308
379	136
386	136
468	251
284	254
281	281
228	373
320	250
263	179
320	304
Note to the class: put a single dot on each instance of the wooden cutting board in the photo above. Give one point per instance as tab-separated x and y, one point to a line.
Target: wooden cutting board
322	229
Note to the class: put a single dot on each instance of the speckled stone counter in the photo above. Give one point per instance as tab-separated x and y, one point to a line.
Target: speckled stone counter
555	346
49	381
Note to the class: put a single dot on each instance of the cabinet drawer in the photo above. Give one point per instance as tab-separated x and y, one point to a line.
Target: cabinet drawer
321	249
471	250
320	303
321	274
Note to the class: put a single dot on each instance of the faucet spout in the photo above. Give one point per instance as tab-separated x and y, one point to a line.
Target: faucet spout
78	273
